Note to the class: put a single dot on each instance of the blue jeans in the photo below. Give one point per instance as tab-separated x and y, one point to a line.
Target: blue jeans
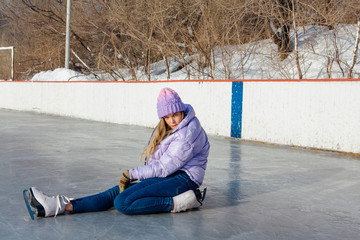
152	195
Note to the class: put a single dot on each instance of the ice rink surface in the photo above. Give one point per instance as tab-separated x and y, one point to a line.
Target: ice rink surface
255	191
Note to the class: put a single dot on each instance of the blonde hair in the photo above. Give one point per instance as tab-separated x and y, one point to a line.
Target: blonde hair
161	132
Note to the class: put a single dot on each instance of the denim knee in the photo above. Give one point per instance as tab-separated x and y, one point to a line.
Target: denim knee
121	205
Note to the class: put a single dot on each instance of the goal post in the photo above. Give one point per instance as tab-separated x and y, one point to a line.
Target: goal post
11	61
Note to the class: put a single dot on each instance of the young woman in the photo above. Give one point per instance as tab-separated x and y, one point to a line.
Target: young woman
175	163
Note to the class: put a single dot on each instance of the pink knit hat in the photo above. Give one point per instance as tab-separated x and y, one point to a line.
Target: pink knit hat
169	102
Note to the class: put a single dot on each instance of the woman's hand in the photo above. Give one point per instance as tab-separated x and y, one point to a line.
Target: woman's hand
124	181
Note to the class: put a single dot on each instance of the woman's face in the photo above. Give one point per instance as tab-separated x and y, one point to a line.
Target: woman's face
172	120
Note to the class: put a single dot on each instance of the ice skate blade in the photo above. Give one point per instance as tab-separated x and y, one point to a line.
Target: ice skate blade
200	195
203	194
26	196
40	211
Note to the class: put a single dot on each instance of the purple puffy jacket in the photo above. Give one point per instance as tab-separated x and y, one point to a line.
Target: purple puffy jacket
186	149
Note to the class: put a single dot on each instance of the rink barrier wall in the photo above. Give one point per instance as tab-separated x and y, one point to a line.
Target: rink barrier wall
313	113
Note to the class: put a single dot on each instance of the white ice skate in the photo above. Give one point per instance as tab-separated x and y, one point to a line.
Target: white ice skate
188	200
45	206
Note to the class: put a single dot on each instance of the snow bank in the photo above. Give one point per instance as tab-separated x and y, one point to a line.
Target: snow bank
61	74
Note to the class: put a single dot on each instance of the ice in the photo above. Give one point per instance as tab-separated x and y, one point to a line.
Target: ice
255	191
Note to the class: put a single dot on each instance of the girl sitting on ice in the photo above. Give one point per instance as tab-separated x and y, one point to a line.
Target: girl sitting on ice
175	163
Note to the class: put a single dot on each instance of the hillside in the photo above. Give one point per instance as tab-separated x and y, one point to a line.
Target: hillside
322	54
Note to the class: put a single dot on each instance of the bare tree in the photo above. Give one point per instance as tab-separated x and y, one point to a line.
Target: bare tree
355	51
297	58
278	16
127	37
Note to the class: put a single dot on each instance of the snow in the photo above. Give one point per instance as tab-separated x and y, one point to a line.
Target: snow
61	74
322	54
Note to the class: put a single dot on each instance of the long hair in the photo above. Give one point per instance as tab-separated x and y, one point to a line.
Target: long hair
161	132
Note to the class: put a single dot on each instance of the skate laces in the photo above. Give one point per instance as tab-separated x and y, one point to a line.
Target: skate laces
61	200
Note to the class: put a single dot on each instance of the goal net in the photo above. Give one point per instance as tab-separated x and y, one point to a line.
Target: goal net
6	63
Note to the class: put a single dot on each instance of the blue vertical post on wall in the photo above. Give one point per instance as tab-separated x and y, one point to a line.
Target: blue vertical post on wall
236	109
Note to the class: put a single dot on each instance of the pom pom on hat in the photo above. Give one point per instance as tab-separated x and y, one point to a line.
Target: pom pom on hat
169	102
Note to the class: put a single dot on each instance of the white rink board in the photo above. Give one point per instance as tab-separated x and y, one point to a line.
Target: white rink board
123	103
322	115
